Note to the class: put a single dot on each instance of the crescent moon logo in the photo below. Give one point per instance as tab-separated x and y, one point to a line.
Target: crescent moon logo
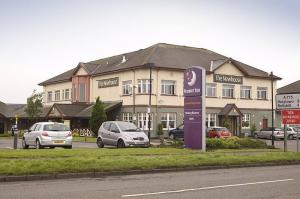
192	79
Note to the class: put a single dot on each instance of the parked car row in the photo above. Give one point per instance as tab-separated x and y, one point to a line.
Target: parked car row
277	132
211	132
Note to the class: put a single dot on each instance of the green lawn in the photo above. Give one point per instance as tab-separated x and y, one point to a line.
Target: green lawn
47	161
84	139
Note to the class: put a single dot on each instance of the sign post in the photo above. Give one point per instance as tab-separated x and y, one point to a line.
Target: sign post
291	116
194	108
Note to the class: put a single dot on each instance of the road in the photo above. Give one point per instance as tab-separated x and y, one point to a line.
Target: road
280	182
8	144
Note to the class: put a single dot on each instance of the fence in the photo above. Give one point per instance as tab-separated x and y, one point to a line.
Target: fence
82	132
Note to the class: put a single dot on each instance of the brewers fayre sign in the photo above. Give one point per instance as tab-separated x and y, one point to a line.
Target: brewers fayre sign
194	108
231	79
108	82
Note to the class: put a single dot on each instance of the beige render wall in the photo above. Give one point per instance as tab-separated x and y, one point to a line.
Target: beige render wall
53	88
81	71
229	69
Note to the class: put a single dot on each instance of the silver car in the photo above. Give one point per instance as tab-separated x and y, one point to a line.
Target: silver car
267	133
47	134
121	134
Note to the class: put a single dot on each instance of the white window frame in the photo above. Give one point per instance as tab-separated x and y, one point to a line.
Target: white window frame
261	90
62	94
49	96
67	97
228	89
127	117
246	118
57	95
212	88
246	90
211	117
167	118
144	86
127	87
143	120
168	87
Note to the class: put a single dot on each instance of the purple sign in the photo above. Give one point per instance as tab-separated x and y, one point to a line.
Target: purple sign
194	109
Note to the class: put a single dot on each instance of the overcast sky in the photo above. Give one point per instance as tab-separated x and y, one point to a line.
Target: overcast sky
40	39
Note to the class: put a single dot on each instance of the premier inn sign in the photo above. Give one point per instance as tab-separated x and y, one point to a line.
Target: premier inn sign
231	79
108	82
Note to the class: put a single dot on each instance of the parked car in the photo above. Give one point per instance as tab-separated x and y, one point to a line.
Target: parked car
47	134
218	132
121	134
292	132
267	133
177	133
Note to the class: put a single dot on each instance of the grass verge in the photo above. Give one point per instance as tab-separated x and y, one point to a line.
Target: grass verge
47	161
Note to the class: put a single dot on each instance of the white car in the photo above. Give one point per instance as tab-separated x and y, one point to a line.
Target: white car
121	134
267	133
47	134
292	132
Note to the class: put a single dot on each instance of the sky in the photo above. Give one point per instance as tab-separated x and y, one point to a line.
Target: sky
40	39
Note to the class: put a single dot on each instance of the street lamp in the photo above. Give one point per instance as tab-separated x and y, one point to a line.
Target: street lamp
150	93
272	98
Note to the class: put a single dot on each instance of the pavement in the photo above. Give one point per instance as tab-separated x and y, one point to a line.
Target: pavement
278	182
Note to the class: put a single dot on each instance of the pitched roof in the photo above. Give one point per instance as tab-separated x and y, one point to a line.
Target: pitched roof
162	56
290	88
11	110
230	109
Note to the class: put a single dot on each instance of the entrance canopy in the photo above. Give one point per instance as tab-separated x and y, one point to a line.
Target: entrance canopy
231	110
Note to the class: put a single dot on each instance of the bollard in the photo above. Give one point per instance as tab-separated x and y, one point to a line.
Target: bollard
15	139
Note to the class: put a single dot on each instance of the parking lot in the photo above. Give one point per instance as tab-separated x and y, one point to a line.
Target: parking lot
7	143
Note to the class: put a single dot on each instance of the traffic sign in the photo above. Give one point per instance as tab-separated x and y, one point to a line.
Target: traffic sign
288	101
291	116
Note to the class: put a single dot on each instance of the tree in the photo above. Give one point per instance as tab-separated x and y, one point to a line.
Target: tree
34	105
98	116
160	133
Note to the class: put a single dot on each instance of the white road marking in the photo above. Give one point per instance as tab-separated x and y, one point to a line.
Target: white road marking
205	188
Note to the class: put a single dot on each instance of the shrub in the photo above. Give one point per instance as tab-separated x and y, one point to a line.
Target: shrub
234	143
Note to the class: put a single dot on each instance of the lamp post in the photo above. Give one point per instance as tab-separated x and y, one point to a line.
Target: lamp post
272	98
150	93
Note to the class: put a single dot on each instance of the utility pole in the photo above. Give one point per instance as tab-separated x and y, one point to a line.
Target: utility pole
272	98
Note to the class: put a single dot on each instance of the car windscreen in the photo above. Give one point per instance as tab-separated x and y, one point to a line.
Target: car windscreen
56	127
220	129
127	126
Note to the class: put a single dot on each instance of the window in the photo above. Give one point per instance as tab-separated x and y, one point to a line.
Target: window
57	95
168	87
261	93
106	126
228	91
246	92
62	94
211	90
114	128
211	119
168	120
127	117
143	121
143	86
82	92
246	121
49	96
67	94
126	87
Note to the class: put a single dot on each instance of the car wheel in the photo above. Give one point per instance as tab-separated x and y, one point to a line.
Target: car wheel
24	145
172	136
290	137
255	135
121	144
100	143
38	145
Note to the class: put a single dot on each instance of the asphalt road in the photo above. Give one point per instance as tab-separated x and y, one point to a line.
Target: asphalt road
8	144
280	182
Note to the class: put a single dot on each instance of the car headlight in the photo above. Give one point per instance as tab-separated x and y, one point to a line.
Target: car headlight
128	138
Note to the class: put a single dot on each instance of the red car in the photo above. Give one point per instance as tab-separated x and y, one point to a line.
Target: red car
218	132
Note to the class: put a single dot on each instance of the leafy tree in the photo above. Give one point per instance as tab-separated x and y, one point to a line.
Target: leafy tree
226	122
34	105
98	116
